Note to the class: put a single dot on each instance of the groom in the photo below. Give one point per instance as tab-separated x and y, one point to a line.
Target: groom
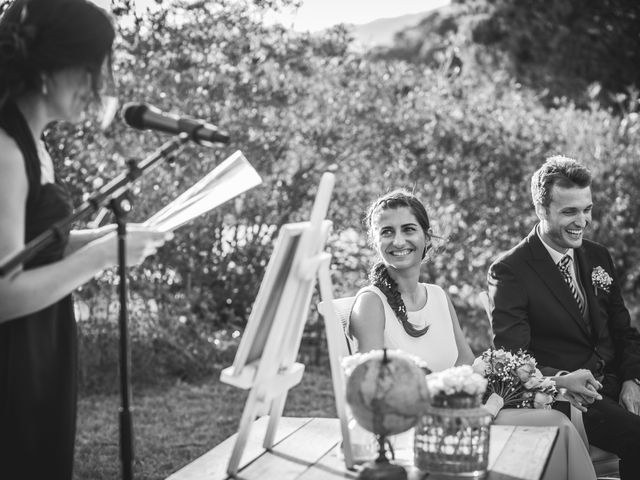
557	295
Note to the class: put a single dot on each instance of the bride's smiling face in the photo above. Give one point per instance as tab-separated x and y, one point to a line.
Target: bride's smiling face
398	237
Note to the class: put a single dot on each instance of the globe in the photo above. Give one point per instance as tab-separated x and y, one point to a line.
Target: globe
387	393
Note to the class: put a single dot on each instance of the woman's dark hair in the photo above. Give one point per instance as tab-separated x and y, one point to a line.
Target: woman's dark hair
43	36
379	276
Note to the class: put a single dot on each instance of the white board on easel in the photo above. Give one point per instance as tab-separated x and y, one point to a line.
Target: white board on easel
265	360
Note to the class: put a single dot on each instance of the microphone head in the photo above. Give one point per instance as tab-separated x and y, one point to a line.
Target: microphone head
132	114
148	117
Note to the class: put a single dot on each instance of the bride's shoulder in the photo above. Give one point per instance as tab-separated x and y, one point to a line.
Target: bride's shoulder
369	290
367	305
368	295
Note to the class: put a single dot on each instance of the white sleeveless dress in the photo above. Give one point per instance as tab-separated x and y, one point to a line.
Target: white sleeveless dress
437	347
569	458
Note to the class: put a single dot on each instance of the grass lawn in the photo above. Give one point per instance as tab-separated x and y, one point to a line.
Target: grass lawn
173	425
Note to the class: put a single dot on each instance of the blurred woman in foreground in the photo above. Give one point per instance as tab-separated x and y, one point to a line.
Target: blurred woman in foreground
53	55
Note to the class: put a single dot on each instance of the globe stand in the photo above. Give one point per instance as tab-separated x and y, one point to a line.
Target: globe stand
381	468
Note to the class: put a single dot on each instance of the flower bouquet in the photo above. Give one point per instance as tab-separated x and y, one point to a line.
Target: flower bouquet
516	379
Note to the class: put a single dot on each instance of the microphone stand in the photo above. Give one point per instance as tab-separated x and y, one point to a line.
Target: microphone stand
120	207
113	196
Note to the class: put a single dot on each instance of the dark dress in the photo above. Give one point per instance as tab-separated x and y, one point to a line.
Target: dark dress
38	352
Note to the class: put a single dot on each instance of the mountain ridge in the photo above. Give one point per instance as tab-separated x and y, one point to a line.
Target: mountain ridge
381	31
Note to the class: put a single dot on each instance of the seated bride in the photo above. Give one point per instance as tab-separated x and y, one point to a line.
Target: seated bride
397	311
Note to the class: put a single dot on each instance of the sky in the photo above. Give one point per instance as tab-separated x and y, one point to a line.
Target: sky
316	15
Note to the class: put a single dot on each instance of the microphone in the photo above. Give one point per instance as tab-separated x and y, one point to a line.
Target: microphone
147	117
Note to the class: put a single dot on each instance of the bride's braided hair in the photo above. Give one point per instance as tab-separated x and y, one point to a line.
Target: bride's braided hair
379	276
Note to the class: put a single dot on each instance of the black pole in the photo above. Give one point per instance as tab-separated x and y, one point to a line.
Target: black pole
121	208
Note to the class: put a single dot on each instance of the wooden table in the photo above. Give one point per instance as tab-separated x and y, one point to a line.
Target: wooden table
309	449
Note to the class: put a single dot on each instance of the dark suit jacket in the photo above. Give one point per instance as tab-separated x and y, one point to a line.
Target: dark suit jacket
533	310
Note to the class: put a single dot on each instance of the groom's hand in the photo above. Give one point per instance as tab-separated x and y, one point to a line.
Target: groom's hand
581	388
574	400
630	396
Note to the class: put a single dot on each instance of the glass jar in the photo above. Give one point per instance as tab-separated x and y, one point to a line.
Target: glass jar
364	446
452	437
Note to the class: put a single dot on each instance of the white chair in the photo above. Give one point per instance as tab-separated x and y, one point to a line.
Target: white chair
604	463
343	307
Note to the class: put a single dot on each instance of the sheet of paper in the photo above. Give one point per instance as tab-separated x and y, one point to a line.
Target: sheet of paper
231	178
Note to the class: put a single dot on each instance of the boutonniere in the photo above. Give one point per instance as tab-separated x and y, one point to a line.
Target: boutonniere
601	280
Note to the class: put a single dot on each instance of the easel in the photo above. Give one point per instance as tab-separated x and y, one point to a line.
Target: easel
265	360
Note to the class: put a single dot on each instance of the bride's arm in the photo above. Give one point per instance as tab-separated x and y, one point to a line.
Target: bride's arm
367	322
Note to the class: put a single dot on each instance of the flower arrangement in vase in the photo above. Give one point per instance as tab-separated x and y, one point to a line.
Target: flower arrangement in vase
452	437
456	387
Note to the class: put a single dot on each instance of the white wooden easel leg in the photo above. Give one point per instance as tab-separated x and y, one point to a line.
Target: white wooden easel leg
277	393
244	429
277	407
334	337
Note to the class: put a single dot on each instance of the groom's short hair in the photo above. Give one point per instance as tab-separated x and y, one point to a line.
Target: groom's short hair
558	170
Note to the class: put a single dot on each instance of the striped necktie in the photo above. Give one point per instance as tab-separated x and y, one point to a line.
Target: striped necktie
564	265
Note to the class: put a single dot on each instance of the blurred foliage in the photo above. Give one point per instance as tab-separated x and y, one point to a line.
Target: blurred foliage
566	46
466	139
578	49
